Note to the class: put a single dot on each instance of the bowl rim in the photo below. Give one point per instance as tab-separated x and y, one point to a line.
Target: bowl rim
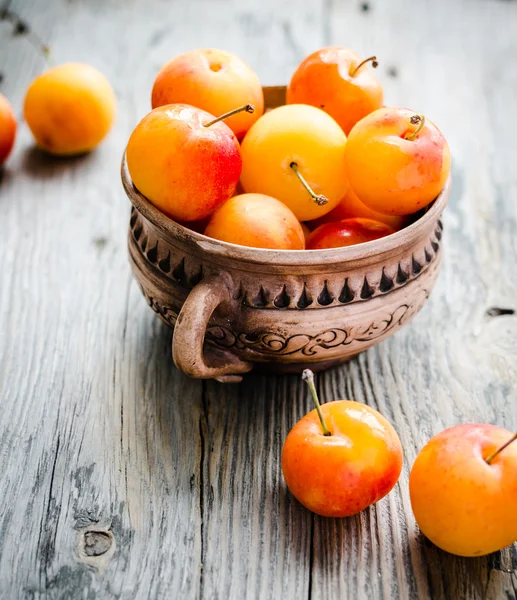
218	248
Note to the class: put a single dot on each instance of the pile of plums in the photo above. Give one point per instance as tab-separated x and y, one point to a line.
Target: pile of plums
333	167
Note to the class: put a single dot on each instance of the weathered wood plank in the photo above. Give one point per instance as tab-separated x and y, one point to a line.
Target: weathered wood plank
256	537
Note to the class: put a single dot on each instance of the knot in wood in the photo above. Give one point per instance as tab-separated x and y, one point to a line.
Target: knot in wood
97	543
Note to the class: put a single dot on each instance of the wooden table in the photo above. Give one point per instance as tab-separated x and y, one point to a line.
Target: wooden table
120	477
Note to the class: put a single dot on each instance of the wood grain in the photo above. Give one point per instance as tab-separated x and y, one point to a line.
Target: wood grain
121	478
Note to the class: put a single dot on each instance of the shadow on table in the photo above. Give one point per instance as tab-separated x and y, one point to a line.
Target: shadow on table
7	174
449	576
41	165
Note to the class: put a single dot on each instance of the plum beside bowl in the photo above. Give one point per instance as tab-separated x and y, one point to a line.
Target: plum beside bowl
235	308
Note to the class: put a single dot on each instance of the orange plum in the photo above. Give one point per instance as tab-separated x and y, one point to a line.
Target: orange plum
70	109
463	488
338	81
7	129
258	221
296	153
183	164
214	80
347	233
397	162
339	463
351	207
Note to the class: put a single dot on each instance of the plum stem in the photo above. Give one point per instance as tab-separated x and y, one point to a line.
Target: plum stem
308	377
246	107
320	200
500	449
373	60
416	119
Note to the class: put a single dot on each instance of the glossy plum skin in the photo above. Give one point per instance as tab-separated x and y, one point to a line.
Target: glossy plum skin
213	80
7	129
258	221
70	109
325	80
391	174
347	233
351	207
462	504
341	474
304	135
185	169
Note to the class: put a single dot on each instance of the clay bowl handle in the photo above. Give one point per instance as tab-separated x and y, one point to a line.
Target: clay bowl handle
189	335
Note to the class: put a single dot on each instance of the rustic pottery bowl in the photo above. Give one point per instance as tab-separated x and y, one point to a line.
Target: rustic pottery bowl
235	308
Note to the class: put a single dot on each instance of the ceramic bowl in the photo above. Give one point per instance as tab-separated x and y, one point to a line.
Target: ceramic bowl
235	308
